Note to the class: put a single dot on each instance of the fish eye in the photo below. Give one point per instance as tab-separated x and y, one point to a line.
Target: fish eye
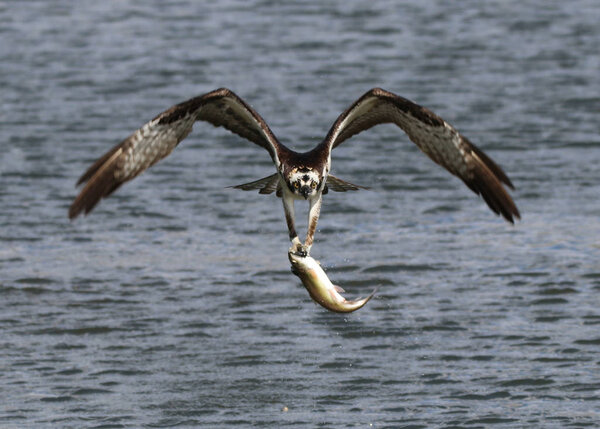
313	185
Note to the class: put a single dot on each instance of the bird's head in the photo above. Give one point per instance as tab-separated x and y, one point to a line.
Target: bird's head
304	182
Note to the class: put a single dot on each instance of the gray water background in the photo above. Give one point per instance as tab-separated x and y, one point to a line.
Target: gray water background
172	305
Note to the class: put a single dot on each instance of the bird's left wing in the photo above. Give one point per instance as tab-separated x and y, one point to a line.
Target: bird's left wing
157	139
435	137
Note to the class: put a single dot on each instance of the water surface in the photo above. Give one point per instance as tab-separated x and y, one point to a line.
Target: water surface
172	305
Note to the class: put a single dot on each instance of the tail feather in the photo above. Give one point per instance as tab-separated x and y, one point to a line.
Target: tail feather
339	185
266	185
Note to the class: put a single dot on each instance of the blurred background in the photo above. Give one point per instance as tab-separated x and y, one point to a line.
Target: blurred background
172	304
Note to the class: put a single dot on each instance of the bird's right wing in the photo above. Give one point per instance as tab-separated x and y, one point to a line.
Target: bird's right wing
157	139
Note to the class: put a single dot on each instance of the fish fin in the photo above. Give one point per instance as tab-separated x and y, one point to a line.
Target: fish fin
336	297
339	185
266	185
338	289
371	295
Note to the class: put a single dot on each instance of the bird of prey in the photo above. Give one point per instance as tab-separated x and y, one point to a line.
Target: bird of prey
298	176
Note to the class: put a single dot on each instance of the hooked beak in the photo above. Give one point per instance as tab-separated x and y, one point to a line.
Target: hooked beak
305	191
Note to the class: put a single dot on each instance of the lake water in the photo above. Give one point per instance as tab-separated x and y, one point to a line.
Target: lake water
172	305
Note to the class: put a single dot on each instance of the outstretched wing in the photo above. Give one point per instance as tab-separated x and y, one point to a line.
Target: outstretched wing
434	136
157	139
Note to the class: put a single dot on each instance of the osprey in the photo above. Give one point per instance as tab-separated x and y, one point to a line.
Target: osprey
298	176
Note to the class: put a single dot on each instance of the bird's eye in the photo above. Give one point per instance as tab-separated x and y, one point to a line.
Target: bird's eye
296	185
313	185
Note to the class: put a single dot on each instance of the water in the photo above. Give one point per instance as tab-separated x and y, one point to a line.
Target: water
173	304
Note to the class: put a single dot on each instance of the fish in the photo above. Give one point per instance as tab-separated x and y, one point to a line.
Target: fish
320	288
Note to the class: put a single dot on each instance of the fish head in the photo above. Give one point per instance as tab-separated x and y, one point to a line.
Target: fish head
298	262
303	265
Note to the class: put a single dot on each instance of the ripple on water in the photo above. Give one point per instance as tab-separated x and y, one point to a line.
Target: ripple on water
173	305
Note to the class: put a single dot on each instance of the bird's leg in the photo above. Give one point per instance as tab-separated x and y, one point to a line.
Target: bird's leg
288	208
313	217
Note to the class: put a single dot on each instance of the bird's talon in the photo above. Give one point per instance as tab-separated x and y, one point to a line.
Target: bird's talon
299	249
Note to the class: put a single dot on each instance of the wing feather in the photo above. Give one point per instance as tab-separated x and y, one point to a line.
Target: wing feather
435	137
157	139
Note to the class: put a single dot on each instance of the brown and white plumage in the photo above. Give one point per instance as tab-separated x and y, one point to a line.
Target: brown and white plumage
157	139
435	137
298	175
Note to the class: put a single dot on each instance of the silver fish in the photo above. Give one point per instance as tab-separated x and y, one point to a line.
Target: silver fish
320	288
